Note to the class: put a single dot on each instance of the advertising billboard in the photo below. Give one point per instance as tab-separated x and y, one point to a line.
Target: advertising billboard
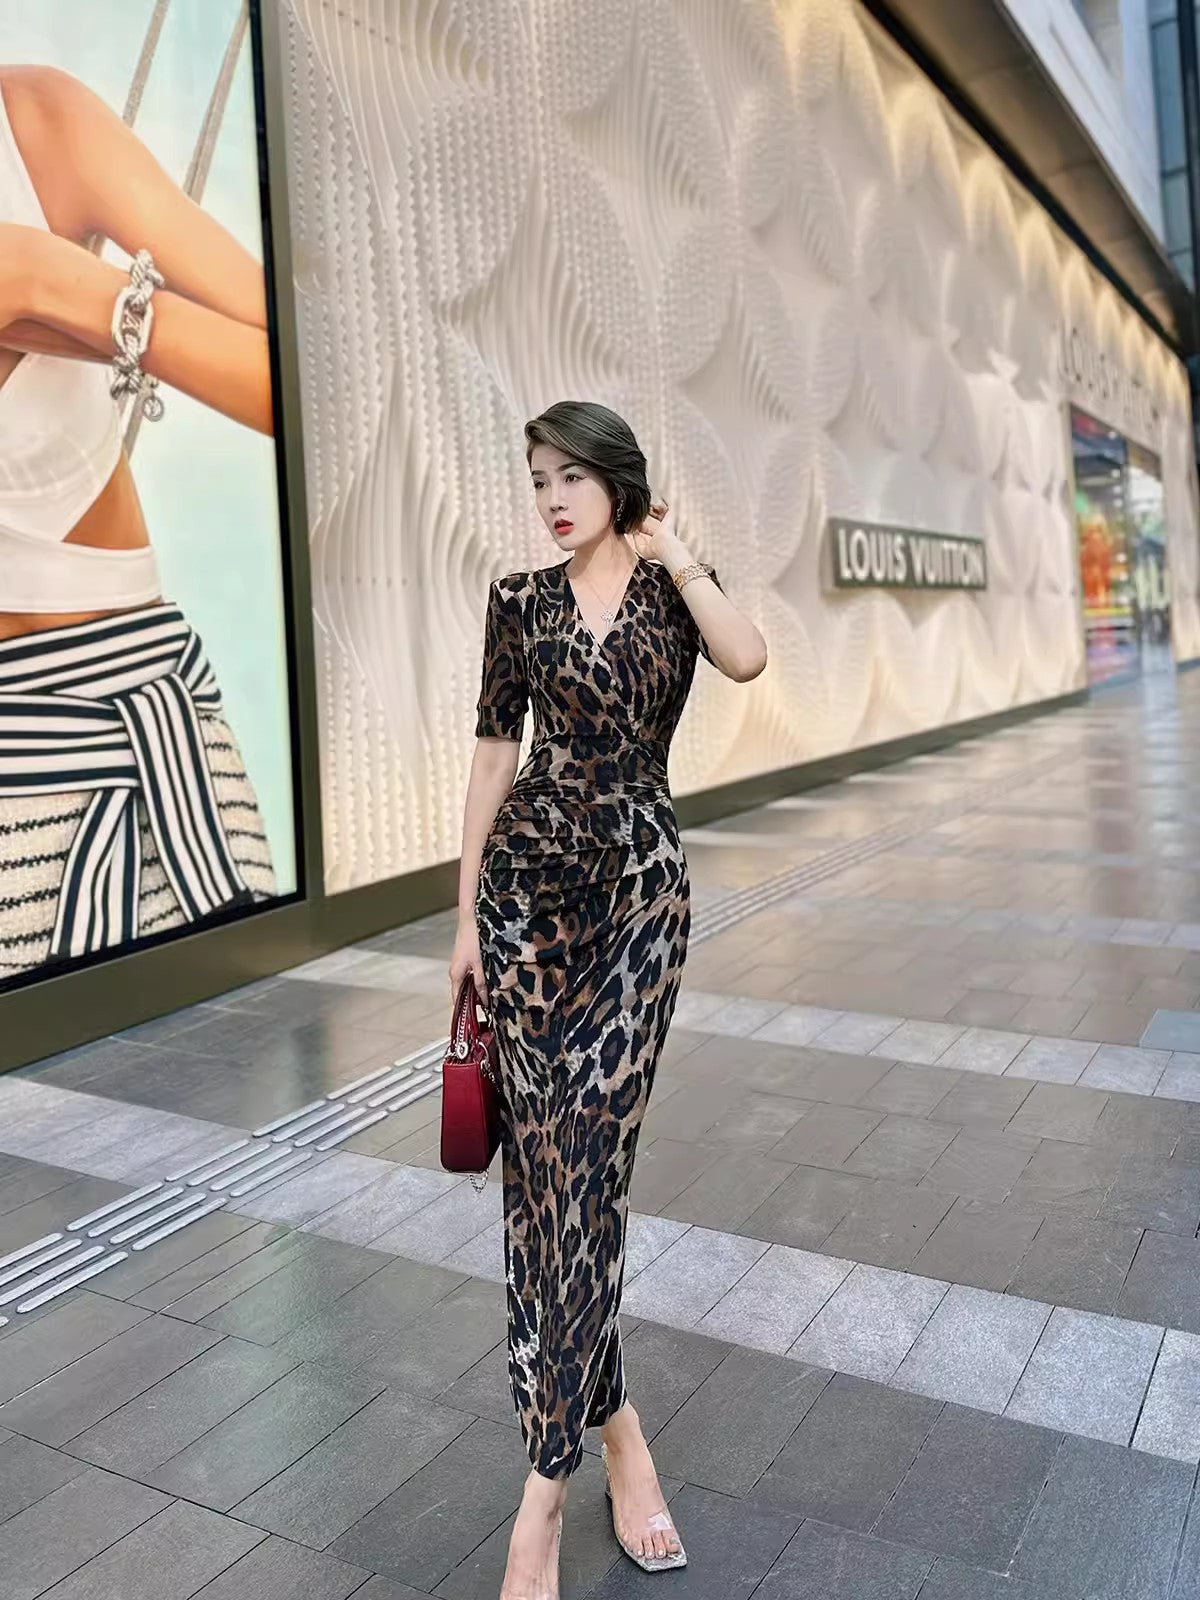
146	761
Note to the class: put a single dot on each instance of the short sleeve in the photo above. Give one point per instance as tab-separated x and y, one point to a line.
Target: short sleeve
504	691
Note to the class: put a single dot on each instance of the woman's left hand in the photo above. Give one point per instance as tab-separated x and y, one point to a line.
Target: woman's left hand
652	539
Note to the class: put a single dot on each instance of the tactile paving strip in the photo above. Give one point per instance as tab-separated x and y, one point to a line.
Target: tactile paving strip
53	1265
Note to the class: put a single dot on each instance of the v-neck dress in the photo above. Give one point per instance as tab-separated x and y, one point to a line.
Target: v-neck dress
583	912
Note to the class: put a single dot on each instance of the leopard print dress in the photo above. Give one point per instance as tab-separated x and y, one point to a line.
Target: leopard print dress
583	912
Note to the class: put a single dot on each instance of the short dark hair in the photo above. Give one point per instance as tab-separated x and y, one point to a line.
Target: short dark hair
604	442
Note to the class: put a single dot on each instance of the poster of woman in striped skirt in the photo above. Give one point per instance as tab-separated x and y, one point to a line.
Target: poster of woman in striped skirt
145	758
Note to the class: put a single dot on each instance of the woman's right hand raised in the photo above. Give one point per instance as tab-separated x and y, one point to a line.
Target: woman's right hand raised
467	959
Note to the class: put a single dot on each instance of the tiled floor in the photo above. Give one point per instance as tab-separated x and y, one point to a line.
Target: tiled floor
913	1289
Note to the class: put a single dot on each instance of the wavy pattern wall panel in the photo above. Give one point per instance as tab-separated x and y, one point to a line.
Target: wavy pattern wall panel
756	231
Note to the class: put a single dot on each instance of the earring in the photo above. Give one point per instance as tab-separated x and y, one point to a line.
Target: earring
620	508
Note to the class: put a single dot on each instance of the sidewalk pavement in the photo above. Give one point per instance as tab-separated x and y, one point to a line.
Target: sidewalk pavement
913	1292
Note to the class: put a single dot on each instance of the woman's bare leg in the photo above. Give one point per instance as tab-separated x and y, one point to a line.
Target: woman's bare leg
532	1571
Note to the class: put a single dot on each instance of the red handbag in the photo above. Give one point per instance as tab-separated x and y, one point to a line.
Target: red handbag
470	1090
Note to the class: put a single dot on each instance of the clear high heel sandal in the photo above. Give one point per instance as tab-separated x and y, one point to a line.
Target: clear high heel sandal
659	1523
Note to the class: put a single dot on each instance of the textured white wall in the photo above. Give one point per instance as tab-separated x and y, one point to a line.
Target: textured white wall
756	231
1105	75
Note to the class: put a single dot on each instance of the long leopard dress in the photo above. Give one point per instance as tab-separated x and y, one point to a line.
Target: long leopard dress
583	911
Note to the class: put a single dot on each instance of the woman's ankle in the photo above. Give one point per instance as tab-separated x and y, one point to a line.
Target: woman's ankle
548	1494
622	1428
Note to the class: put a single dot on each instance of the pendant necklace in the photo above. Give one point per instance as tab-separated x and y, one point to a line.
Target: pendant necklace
607	613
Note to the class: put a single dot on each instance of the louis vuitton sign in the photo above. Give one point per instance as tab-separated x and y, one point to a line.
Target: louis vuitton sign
870	555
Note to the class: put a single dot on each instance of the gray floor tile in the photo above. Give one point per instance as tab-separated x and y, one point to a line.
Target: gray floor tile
485	1390
321	1275
35	1350
1163	1285
1088	1375
278	1570
900	1150
76	1397
827	1135
1059	1111
195	1292
1068	1180
378	1588
350	1472
70	1526
382	1205
173	1413
910	1090
857	1032
647	1238
849	1453
688	1279
978	1245
438	1229
757	1121
1125	1067
1138	1125
1187	1572
923	1042
955	1580
316	1190
974	1348
1152	1193
179	1278
731	1546
1079	1264
805	1209
1107	1525
889	1225
1170	1421
986	1049
972	1489
29	1471
844	1566
730	1430
1181	1080
264	1437
1053	1060
1114	1024
870	1323
445	1341
147	1267
349	1330
441	1513
665	1168
1173	1030
836	1077
981	1165
167	1558
729	1191
776	1299
982	1101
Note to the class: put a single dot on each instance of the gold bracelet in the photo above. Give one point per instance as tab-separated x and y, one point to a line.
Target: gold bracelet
696	569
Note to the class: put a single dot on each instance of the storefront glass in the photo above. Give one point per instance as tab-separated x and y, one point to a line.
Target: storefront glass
1122	551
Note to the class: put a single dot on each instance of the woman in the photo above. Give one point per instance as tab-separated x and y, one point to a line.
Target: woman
124	804
573	919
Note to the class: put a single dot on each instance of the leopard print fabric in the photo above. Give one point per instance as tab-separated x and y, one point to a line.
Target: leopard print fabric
583	912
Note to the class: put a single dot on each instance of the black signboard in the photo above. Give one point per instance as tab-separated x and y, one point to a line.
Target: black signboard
872	555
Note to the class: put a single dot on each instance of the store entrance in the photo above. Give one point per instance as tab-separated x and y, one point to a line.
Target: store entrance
1119	515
